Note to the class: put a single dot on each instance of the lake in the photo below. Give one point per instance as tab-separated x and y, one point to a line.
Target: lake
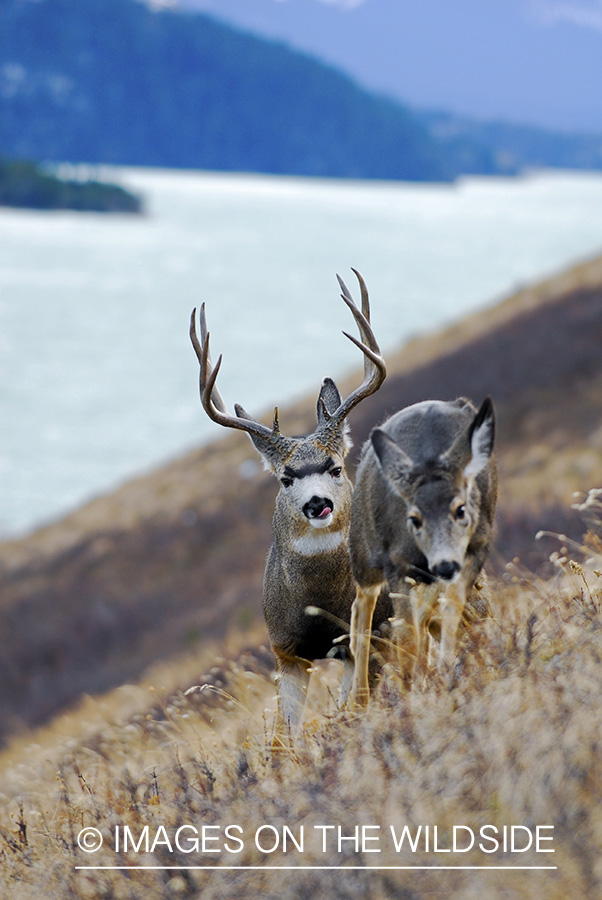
98	378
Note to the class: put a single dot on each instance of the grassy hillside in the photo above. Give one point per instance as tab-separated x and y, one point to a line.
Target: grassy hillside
155	589
513	744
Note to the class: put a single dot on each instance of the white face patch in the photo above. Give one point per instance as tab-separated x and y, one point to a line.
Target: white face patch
322	522
315	499
318	542
303	489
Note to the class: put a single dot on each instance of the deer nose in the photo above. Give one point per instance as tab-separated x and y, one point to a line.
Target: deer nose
318	507
446	569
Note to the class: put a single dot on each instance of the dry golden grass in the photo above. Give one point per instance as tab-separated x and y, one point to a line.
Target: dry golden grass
514	739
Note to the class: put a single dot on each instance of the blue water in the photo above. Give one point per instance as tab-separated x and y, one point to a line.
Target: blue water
98	379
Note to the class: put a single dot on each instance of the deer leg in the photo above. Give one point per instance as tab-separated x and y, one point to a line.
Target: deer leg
346	681
292	683
403	635
434	639
421	601
361	628
452	607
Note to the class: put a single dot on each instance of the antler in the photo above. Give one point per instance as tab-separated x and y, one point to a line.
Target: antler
271	440
375	370
212	400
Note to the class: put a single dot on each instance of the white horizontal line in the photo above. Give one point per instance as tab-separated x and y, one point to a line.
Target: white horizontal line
340	868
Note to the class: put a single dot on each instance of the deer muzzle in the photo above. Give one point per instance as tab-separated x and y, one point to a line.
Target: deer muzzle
319	511
446	569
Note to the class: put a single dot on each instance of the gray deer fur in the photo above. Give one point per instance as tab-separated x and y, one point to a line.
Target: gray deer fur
308	562
421	525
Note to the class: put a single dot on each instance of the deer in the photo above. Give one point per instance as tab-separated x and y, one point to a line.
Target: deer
308	586
421	526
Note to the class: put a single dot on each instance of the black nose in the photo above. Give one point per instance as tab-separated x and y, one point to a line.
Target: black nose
318	507
446	569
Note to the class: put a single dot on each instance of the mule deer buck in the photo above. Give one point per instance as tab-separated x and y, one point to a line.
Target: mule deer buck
308	563
421	524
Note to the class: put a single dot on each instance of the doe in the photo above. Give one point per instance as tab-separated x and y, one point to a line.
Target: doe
308	562
421	525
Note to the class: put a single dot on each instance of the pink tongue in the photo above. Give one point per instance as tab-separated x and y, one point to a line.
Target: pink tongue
325	512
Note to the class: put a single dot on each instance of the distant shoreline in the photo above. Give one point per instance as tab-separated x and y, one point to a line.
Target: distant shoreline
27	185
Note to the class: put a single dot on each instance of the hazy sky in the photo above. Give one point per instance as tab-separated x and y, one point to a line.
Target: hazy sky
534	61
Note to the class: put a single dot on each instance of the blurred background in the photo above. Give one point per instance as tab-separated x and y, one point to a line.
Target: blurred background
154	155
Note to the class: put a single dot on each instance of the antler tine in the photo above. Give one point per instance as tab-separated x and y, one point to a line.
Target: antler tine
362	318
364	294
204	355
211	399
363	324
194	337
375	370
373	379
371	355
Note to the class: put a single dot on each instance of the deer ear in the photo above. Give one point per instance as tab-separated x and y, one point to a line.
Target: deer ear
329	401
481	435
394	462
269	452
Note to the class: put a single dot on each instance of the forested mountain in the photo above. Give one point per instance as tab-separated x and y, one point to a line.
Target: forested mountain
536	62
513	147
117	81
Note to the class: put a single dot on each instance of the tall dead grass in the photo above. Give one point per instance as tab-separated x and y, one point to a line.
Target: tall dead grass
514	739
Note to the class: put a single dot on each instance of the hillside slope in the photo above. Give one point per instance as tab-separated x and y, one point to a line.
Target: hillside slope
507	752
175	559
486	783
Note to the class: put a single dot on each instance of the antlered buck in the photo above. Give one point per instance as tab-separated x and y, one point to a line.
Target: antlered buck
421	526
308	563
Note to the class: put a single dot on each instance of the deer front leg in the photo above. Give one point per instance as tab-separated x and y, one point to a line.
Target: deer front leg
292	684
361	628
346	680
404	634
452	607
421	603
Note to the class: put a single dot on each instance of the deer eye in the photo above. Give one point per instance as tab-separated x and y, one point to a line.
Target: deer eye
336	473
415	521
286	482
460	512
